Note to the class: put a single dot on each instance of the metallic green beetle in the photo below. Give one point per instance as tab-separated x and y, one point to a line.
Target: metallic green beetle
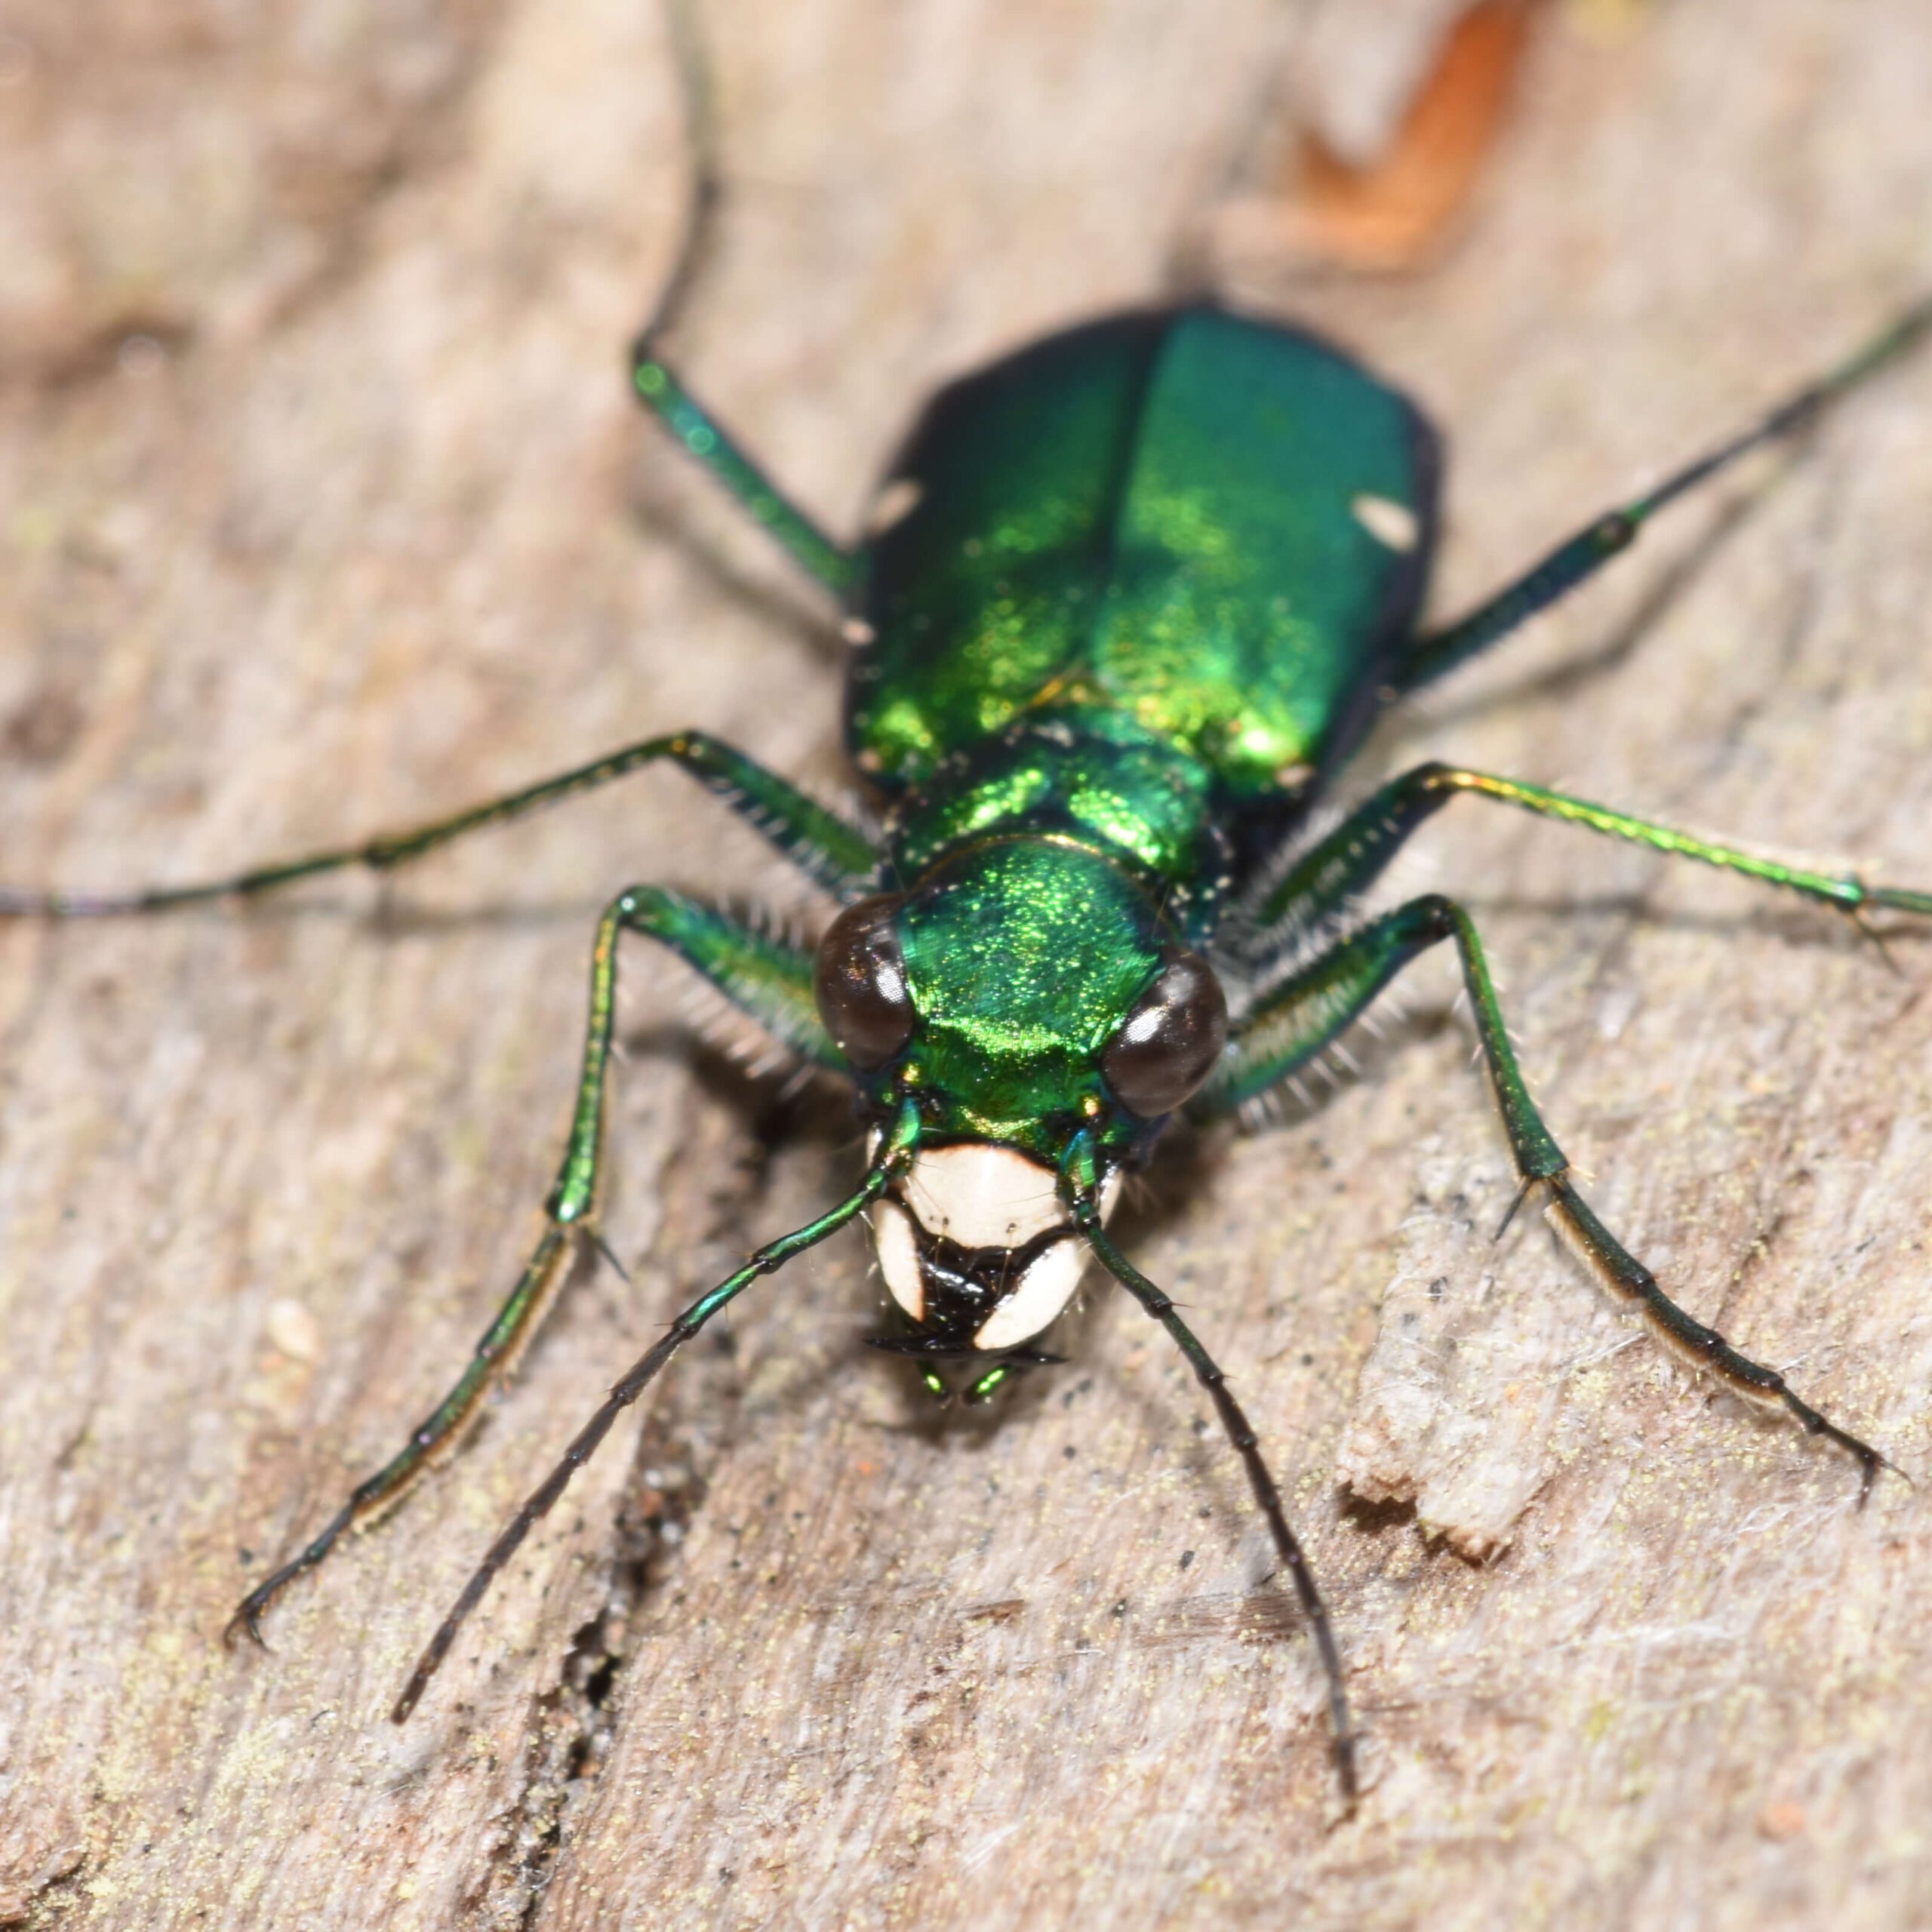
1131	597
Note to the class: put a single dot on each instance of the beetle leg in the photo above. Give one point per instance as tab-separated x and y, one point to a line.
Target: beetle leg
1579	558
658	387
1291	1024
1350	858
706	437
771	982
820	843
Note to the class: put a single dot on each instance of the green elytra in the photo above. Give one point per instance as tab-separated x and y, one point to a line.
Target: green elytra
1132	596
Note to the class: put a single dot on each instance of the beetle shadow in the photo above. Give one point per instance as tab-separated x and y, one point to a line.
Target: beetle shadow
1807	926
1671	586
391	915
660	510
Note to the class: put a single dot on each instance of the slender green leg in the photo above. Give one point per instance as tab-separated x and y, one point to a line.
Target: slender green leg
1579	557
1080	1187
706	438
818	842
771	982
658	389
893	1157
1294	1022
1350	858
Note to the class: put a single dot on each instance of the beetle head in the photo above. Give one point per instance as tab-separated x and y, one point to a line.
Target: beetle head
1024	991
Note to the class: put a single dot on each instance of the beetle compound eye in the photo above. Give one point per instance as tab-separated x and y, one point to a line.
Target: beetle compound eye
1170	1041
860	982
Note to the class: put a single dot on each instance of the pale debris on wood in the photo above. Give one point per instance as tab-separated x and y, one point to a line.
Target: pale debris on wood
1461	1396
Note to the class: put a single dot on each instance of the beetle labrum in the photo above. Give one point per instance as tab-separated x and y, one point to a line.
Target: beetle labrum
1134	595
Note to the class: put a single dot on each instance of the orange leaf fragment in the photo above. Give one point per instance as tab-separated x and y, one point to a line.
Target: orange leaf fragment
1392	213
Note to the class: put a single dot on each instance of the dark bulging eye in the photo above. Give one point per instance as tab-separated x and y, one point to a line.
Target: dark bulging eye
1168	1045
860	979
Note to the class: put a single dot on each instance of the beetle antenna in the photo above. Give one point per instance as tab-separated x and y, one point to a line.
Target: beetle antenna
1083	1199
707	181
895	1155
1559	571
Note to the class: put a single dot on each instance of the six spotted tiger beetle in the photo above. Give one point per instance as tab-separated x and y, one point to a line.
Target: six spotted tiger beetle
1131	598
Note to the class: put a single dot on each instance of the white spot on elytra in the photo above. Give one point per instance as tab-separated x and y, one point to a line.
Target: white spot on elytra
293	1331
895	502
1388	522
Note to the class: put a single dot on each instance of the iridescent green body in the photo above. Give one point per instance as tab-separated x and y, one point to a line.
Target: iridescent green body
1124	608
1161	513
1131	597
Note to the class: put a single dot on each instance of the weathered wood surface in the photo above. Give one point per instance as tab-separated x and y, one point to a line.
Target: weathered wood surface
369	529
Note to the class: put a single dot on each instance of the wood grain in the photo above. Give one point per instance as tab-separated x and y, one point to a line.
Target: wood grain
324	509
